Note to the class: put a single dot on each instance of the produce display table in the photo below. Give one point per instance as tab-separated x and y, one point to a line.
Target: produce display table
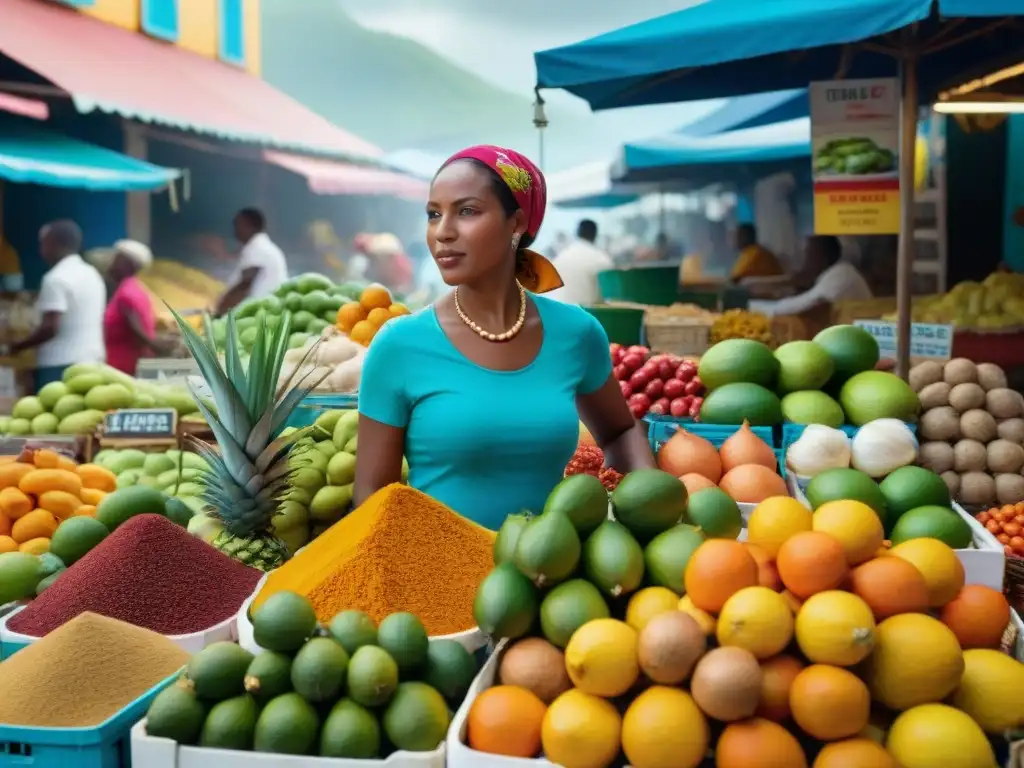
1003	349
81	447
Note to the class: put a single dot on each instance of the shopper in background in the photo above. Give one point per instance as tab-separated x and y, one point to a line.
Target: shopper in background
71	302
261	265
754	260
129	323
579	264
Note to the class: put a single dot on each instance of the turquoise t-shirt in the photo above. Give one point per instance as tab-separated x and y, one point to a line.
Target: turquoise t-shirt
485	443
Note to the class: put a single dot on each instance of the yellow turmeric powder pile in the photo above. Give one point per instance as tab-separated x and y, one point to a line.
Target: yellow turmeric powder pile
400	551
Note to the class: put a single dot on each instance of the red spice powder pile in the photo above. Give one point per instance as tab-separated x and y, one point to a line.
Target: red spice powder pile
150	573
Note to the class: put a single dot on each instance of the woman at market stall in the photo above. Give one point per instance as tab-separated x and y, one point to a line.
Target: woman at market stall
483	392
129	323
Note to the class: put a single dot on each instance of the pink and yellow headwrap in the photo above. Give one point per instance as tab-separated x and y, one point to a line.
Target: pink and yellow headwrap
527	184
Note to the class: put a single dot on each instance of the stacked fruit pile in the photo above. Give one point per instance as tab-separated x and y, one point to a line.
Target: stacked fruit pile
363	317
827	381
1006	523
665	385
995	304
809	642
350	690
974	428
172	471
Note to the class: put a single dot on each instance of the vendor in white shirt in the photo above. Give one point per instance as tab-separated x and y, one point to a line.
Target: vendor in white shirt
832	280
261	265
578	264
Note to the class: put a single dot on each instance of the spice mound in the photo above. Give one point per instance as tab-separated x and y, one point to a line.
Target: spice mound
150	573
84	673
399	551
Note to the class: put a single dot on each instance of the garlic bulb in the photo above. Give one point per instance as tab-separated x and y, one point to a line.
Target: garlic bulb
817	449
882	446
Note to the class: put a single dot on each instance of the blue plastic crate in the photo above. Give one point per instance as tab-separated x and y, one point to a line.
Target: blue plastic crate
8	648
307	411
107	745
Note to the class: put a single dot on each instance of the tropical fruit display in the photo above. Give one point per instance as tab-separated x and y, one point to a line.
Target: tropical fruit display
366	312
331	360
972	430
810	643
993	305
172	471
352	689
662	385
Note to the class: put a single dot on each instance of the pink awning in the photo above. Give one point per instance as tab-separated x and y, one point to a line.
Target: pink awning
328	177
110	69
16	105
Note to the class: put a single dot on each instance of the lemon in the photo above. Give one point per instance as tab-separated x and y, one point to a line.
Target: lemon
853	524
942	570
992	690
581	731
601	657
648	603
917	660
756	619
775	520
835	628
704	620
664	726
934	734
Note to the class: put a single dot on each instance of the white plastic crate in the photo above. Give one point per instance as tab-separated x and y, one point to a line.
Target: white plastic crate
152	752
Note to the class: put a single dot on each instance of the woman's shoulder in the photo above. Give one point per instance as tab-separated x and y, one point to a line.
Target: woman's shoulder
569	317
406	331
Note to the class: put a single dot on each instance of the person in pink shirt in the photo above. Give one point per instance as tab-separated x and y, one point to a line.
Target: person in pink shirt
129	324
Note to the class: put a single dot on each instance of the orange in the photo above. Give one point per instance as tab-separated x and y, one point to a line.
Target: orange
758	742
7	544
812	562
362	332
378	317
375	297
978	616
397	310
777	675
854	753
829	703
506	720
716	571
349	315
767	573
890	585
775	520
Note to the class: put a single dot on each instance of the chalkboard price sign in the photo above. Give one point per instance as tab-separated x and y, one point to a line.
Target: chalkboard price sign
141	423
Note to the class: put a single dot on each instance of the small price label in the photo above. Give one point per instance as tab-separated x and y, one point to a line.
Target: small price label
141	423
928	341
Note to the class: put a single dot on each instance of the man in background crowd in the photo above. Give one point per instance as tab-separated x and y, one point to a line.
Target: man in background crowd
71	303
261	265
579	264
754	260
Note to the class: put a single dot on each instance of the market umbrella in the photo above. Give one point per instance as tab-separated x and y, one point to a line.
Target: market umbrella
751	111
733	47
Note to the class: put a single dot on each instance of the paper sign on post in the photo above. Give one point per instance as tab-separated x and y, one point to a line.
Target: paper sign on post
138	423
928	341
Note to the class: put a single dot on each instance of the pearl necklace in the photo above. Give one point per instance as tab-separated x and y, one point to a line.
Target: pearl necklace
487	335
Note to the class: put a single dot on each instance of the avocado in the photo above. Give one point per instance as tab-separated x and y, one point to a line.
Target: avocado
287	725
284	622
353	629
372	676
402	635
508	536
178	512
177	714
231	724
417	718
450	670
125	503
568	607
613	560
318	671
505	604
583	499
667	555
648	502
715	513
548	550
48	582
350	731
739	402
218	671
738	360
269	675
933	522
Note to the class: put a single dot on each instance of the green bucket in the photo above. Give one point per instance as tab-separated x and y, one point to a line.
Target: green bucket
622	324
640	285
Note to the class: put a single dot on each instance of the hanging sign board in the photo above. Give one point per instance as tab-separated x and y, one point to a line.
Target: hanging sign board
927	341
141	424
855	139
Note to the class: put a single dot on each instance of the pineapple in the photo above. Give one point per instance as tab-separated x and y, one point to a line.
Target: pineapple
250	472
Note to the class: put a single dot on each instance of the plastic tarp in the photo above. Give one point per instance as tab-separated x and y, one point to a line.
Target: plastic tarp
751	111
719	48
32	154
330	177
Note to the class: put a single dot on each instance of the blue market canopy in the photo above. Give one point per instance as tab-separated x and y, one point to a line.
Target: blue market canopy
734	47
32	154
751	111
591	186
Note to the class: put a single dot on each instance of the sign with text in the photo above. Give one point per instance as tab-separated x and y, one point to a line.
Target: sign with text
855	135
141	424
927	341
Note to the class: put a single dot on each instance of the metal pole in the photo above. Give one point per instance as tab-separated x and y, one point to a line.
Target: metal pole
540	121
905	255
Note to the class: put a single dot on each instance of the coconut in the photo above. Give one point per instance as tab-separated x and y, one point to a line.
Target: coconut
1004	456
991	376
952	481
1009	489
1012	430
934	395
924	374
536	665
1004	403
977	489
938	457
669	646
960	370
964	397
978	425
940	424
726	683
969	456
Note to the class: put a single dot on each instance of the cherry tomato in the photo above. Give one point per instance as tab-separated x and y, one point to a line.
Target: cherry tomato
994	526
1005	516
1011	528
983	517
1019	519
1003	538
1008	550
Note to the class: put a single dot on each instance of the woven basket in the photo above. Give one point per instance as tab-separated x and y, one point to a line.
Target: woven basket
1015	583
682	336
